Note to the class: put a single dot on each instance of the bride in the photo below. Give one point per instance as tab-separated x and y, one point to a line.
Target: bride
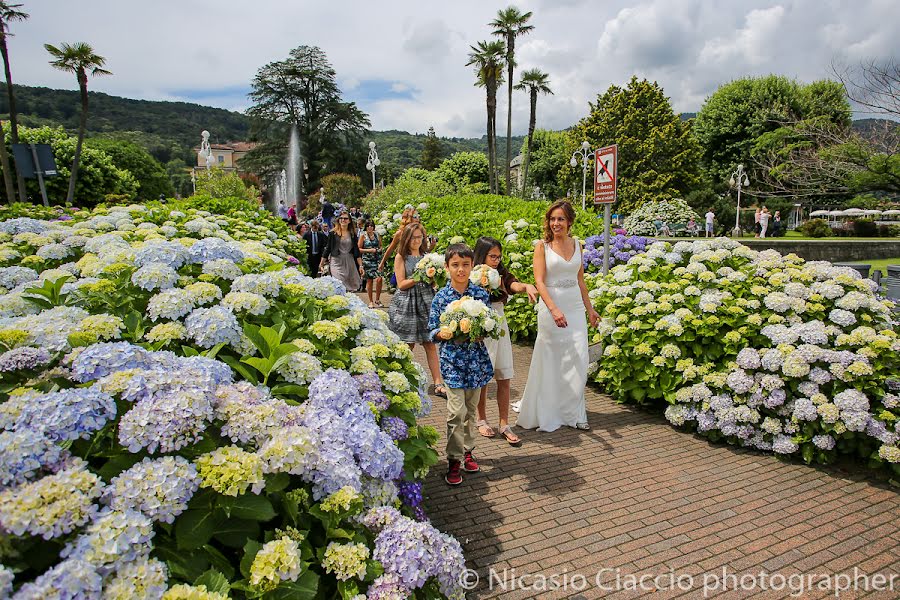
554	392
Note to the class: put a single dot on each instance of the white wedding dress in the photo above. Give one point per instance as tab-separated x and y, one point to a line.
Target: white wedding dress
554	392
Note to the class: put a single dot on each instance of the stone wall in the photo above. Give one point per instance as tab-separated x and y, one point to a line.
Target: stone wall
831	250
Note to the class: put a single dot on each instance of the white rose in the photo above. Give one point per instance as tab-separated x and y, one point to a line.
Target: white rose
489	324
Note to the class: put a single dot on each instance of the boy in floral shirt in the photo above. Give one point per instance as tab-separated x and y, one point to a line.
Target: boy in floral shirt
465	366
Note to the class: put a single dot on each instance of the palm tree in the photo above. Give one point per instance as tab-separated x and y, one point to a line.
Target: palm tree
488	60
536	82
78	58
510	24
8	14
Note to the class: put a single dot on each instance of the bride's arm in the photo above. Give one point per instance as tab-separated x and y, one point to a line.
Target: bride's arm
593	317
540	273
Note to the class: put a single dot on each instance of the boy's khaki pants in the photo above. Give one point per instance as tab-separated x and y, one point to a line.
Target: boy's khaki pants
462	406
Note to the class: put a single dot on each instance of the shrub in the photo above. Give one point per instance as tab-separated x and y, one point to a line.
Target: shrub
754	348
218	183
889	231
865	228
672	212
179	409
342	188
816	228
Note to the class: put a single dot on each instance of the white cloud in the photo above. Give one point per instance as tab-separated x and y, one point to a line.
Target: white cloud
156	49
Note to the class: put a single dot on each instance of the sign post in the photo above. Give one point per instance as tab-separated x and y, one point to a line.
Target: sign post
605	172
35	161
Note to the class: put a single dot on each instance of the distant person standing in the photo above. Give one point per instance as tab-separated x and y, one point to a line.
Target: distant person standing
315	245
327	210
756	220
282	211
763	221
710	222
776	224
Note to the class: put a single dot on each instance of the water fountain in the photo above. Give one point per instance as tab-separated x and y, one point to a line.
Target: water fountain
287	186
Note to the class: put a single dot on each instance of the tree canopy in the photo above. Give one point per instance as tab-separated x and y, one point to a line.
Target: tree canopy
658	158
735	117
151	176
302	90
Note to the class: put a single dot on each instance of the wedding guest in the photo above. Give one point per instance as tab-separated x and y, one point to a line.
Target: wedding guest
489	251
411	303
370	247
315	245
465	366
342	255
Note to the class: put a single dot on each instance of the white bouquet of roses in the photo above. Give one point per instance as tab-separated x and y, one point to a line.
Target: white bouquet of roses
487	278
430	269
468	319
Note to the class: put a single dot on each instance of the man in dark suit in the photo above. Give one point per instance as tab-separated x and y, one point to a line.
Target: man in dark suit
327	209
315	244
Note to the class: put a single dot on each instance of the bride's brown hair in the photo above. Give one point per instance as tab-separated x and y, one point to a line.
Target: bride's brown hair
566	208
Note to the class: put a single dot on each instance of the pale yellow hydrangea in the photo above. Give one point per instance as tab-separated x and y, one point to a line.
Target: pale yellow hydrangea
231	471
346	561
277	561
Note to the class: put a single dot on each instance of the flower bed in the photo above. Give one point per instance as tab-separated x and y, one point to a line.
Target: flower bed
184	409
621	248
671	212
753	348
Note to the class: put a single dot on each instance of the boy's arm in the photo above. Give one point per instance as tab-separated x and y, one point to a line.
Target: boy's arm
434	316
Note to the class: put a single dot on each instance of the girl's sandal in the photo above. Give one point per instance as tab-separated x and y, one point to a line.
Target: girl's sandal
484	429
509	436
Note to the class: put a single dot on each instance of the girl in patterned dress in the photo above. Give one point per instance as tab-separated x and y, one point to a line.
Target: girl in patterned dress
370	247
411	304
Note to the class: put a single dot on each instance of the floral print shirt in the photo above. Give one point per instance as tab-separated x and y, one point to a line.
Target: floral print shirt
466	365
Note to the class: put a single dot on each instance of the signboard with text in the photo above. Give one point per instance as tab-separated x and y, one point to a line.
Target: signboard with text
605	168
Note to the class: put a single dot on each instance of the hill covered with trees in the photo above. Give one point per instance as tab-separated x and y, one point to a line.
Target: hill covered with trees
169	130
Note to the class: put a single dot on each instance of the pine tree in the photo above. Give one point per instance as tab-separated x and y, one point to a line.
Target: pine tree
431	151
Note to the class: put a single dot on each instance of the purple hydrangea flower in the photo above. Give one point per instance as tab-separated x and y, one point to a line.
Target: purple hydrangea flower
395	427
24	358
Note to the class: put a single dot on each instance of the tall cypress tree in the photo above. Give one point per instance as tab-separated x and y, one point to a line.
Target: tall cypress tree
431	151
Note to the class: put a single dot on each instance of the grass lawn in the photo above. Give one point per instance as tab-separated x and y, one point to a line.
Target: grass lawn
880	264
796	236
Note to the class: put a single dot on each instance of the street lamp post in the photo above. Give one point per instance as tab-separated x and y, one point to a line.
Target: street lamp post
373	162
738	180
585	154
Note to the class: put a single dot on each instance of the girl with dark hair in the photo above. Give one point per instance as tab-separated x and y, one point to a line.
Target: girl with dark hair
411	304
370	247
554	393
489	251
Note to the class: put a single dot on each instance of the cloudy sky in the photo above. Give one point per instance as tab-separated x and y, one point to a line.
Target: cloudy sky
403	62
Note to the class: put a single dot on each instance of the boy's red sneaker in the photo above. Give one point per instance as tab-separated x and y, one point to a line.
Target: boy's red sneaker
453	476
469	464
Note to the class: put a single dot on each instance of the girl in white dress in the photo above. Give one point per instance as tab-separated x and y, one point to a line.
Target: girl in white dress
554	393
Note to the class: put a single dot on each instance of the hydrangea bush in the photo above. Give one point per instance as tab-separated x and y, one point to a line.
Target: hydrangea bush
755	348
621	248
672	212
186	415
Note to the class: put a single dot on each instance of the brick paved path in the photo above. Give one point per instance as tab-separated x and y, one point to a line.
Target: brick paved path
636	495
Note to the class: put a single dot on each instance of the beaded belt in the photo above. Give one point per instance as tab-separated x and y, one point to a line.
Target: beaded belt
563	283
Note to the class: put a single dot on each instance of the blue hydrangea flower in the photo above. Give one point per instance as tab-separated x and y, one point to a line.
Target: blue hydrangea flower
166	423
395	427
69	414
211	326
99	360
212	249
155	276
159	488
13	277
172	254
72	579
25	452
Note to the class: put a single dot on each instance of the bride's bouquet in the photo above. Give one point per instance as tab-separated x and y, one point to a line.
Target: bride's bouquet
468	319
487	278
430	269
